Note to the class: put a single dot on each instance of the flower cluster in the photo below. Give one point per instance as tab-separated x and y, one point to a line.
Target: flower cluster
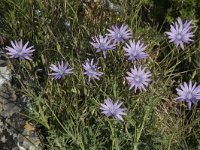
138	78
135	51
180	33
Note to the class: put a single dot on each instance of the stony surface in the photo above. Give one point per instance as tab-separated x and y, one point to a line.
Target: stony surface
15	132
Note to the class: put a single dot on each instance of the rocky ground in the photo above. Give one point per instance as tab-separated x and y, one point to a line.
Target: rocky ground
16	133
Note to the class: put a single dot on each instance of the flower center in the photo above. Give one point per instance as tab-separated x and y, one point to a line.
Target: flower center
179	36
19	52
61	72
119	35
134	53
102	47
112	110
91	70
137	79
189	95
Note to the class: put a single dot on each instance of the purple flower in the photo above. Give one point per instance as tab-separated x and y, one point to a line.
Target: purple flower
135	51
61	70
18	50
102	44
138	78
120	34
180	32
188	93
91	70
110	109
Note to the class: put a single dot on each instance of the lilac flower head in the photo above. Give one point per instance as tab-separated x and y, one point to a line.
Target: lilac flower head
61	70
102	44
18	50
110	109
180	33
119	34
91	70
189	93
135	50
138	78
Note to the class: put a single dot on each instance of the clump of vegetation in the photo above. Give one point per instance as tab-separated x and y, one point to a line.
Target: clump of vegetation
106	74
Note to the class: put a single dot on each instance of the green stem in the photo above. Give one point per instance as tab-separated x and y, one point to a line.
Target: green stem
138	135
